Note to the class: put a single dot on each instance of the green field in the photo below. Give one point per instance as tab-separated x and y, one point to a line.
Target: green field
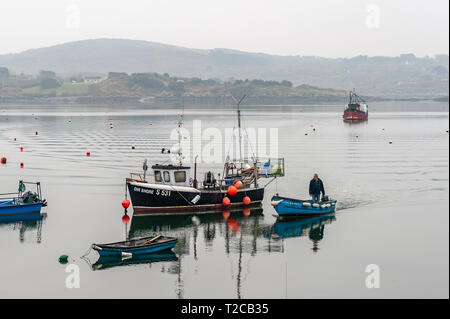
66	89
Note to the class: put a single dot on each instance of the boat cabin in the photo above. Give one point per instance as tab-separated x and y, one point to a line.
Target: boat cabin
171	174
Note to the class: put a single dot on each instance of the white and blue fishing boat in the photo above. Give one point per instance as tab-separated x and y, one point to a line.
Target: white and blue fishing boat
287	207
22	202
139	246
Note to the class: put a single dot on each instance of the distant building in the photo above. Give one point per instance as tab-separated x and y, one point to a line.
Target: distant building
92	79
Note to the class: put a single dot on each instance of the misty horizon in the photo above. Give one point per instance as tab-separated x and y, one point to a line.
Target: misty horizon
327	28
225	48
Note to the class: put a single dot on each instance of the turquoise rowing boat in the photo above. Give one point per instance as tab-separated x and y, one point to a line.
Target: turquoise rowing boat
305	208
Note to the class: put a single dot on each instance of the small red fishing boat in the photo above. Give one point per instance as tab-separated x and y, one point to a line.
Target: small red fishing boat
357	109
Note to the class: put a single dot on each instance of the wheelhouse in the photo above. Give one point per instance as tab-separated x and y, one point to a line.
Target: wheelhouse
171	174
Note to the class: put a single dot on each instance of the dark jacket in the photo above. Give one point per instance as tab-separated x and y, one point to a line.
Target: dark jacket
315	187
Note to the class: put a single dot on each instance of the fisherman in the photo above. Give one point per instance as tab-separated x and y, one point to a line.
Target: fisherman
315	188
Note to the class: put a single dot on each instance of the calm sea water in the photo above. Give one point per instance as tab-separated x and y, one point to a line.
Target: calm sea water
392	212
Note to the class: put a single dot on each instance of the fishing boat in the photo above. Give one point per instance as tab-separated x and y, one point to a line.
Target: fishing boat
357	109
22	202
173	191
139	246
286	207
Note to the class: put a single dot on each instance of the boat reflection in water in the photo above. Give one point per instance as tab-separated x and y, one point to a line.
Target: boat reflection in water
24	223
240	234
105	262
312	227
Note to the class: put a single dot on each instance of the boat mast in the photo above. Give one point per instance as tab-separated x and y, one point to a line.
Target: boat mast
180	124
239	123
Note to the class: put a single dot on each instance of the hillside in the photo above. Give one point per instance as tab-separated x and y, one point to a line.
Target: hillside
405	76
145	86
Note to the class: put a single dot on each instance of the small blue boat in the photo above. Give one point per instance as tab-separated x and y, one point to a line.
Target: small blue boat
139	246
21	202
286	207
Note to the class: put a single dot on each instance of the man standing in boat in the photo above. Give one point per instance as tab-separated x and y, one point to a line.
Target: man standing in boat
315	188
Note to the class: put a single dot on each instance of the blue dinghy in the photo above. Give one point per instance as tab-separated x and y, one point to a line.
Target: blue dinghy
22	202
286	207
139	246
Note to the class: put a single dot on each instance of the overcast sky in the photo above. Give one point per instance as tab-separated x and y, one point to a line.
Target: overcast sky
330	28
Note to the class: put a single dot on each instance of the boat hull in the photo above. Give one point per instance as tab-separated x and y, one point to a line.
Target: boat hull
286	207
146	251
158	199
355	116
121	249
22	209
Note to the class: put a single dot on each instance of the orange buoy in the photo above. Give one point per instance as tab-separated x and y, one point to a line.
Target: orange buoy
226	201
15	139
238	184
232	190
125	219
246	212
125	203
88	153
3	160
246	200
21	165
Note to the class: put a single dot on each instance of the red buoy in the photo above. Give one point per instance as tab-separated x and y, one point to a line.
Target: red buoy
21	148
246	200
125	203
226	201
15	139
36	132
88	153
3	160
246	212
125	219
238	184
21	165
232	190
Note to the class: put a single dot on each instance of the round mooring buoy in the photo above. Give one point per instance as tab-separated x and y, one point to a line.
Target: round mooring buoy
125	203
246	200
63	259
226	201
232	190
88	153
21	165
3	160
238	184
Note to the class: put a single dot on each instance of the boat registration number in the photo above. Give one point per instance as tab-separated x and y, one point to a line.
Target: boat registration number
157	192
